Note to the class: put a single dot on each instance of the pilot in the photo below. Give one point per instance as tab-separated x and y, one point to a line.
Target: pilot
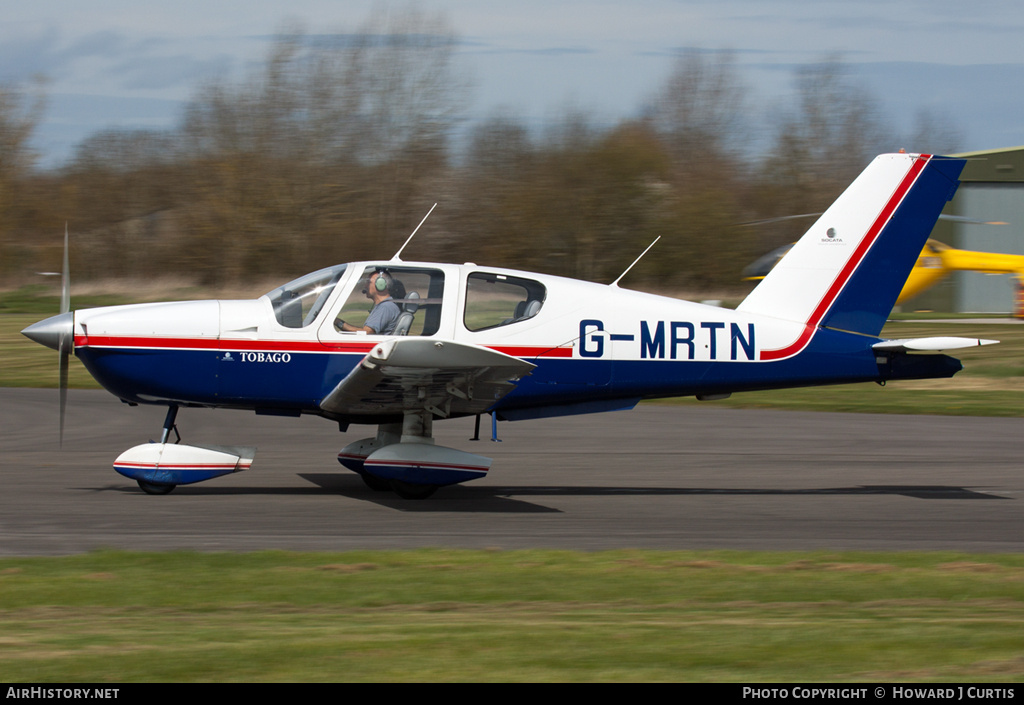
385	312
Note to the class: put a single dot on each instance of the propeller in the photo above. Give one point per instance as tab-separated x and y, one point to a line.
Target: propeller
58	332
67	335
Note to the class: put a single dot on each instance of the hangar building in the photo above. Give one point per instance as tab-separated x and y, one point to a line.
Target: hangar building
991	189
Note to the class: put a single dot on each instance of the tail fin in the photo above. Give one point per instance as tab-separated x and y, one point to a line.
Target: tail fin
847	270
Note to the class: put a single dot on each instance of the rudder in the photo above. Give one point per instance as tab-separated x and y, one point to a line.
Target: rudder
848	269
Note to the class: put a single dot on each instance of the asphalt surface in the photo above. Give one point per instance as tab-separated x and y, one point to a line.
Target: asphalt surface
657	477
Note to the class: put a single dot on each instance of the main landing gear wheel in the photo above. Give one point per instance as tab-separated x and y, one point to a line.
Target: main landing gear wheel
410	490
377	484
155	488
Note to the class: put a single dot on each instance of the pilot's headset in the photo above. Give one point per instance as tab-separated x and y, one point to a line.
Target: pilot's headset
383	281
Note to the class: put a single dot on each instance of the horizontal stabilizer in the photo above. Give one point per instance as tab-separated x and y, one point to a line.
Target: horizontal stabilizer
937	344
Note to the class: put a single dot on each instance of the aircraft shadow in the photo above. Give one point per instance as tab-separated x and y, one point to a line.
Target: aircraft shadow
517	498
523	498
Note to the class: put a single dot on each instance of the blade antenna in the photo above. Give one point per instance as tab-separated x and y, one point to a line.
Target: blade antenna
66	337
397	258
616	282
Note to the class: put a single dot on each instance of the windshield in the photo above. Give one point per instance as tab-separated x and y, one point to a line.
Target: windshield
297	303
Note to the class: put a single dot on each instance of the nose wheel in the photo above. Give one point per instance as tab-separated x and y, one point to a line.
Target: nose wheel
157	488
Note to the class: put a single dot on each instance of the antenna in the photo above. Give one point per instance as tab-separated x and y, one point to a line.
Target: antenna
616	282
396	258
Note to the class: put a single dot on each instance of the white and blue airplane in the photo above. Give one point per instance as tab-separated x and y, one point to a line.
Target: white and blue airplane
472	340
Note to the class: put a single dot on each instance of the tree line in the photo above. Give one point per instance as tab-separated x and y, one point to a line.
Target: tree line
338	145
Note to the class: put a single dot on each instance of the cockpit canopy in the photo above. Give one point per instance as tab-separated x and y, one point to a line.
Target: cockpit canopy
491	299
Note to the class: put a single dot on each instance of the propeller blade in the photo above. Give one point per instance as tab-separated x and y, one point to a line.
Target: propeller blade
57	332
65	278
66	339
65	350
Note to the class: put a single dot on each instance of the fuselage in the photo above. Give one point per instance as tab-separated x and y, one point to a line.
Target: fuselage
595	346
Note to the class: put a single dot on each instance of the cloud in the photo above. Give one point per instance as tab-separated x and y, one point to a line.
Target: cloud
179	71
24	56
548	51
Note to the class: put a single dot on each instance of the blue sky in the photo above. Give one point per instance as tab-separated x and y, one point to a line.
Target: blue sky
134	64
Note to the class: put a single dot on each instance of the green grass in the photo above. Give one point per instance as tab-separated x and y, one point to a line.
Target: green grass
452	615
43	300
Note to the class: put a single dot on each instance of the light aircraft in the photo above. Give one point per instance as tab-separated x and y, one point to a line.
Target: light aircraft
473	340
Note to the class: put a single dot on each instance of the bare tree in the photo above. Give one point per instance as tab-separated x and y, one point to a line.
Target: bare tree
701	117
935	133
701	110
834	129
822	141
324	152
20	112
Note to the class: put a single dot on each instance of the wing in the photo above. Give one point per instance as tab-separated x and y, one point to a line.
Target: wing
442	376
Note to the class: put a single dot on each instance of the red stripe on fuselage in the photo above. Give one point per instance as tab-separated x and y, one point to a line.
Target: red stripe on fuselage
532	350
290	346
851	264
109	341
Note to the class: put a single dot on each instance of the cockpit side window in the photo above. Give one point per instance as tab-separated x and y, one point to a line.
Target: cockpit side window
415	295
494	300
299	302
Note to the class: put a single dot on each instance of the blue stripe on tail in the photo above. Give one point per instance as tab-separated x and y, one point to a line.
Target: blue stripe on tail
867	299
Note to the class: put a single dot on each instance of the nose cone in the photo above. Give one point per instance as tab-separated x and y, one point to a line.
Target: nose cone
50	331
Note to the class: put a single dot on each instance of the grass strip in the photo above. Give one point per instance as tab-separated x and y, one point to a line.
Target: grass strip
456	615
